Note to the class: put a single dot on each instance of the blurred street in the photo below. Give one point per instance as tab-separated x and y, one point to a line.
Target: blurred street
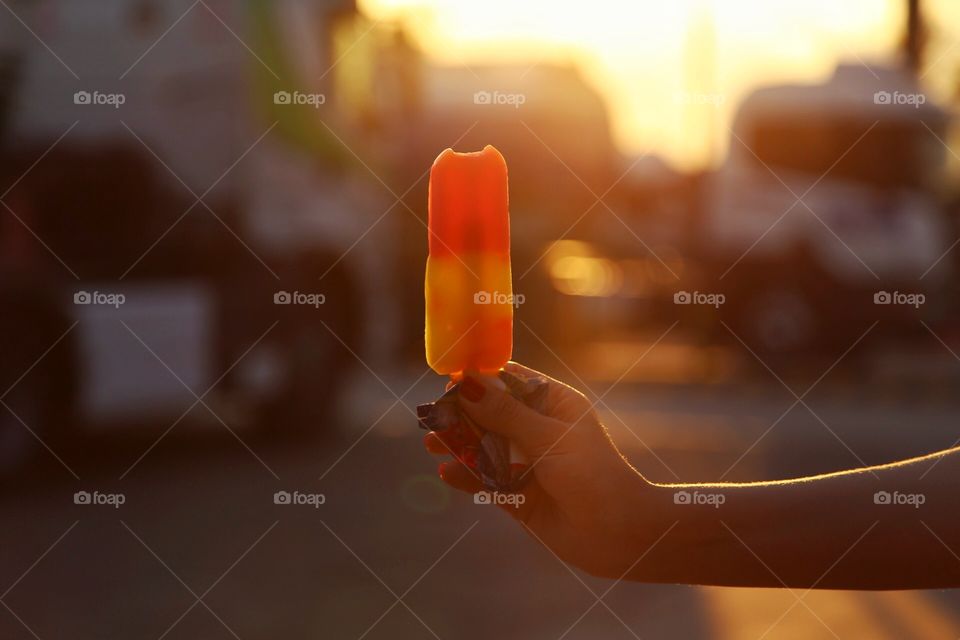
734	226
199	522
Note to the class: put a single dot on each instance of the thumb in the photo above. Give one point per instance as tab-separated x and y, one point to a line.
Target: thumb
498	411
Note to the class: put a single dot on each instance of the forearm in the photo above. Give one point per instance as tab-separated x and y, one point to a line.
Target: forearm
825	531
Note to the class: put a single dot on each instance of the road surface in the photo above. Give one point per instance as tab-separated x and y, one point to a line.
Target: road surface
199	549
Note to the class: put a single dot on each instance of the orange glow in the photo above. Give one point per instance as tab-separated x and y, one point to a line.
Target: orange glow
672	73
469	305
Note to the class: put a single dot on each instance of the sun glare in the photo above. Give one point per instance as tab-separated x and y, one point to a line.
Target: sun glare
647	59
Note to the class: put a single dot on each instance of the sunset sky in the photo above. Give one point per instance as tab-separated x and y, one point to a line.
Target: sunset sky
647	58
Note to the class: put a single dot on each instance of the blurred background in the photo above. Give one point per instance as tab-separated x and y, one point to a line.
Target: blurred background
734	227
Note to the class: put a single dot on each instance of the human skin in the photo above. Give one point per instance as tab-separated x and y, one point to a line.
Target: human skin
595	511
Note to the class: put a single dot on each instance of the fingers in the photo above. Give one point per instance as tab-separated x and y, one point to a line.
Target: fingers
438	443
435	445
459	477
560	396
516	367
498	411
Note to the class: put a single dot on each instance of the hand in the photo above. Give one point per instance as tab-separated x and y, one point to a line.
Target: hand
582	499
593	510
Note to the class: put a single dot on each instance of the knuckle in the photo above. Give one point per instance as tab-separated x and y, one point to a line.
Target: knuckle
506	408
587	424
585	432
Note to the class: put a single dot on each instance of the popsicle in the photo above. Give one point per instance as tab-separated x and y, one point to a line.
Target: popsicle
468	288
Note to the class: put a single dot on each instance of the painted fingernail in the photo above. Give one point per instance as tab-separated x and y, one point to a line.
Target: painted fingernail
472	390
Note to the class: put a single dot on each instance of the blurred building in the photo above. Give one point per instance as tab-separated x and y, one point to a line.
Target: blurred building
190	158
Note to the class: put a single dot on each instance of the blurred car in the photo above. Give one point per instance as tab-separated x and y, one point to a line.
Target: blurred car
829	196
827	214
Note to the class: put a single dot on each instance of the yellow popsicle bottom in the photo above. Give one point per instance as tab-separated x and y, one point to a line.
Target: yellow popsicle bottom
469	323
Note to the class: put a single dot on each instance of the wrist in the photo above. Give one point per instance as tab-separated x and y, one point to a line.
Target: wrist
655	532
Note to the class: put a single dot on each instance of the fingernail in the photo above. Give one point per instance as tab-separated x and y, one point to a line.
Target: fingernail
472	390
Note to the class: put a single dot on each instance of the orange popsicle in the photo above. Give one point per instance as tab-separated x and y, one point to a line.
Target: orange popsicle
468	288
